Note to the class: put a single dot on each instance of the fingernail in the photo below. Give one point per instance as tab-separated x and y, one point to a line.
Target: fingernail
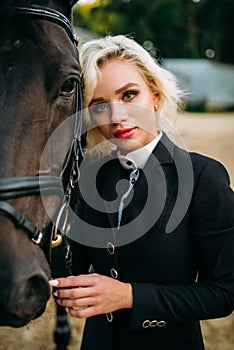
67	309
55	293
58	301
53	283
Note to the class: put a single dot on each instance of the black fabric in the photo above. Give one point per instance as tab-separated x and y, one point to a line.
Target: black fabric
179	277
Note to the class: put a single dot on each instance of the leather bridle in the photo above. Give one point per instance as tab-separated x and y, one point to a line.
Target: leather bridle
48	14
17	187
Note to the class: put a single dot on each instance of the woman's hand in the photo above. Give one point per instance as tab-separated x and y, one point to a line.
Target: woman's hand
92	294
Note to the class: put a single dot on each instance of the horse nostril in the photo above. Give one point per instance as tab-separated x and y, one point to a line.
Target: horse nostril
28	297
36	287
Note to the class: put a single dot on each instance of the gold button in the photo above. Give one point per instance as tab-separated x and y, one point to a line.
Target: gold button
110	247
161	323
114	273
146	324
109	317
153	323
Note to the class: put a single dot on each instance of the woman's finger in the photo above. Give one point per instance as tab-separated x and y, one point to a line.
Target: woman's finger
73	293
76	303
74	281
83	312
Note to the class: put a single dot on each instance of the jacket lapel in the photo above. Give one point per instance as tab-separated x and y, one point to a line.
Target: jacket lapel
151	178
108	189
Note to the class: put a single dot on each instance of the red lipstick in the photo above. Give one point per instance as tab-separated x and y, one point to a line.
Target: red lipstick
124	133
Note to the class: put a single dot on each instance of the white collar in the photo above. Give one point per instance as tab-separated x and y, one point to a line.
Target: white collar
139	157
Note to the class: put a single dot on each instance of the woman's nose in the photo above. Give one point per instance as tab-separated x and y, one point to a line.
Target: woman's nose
118	113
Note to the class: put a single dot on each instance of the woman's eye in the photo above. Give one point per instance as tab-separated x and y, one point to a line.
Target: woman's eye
102	107
129	95
68	87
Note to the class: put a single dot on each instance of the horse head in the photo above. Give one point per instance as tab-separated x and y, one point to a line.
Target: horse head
39	74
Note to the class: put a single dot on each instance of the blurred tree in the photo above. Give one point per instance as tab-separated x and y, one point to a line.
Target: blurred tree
179	28
216	28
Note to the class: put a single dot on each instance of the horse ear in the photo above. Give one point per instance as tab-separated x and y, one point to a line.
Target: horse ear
68	3
72	2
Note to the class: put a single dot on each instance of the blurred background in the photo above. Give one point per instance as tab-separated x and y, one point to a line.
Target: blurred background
192	38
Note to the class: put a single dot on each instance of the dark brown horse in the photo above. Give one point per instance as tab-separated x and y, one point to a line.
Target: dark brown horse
39	81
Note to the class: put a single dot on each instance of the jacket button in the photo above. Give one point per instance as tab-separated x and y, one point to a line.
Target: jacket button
146	324
110	248
114	273
161	323
154	323
109	317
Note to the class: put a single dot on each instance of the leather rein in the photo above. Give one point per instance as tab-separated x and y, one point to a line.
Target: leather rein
18	187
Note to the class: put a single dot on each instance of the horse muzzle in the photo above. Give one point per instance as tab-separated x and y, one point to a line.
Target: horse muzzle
25	301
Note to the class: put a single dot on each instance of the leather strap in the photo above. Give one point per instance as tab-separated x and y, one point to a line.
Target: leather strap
52	15
21	221
22	186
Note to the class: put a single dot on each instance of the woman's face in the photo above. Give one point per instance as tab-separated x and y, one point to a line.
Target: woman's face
122	106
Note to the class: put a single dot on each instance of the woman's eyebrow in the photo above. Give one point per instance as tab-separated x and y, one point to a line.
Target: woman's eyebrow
117	92
96	100
125	87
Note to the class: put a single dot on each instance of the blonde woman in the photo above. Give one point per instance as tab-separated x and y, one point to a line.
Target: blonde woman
155	222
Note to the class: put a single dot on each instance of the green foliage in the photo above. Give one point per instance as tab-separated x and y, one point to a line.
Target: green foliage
179	28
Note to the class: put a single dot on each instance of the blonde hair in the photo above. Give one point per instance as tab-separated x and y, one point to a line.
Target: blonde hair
95	53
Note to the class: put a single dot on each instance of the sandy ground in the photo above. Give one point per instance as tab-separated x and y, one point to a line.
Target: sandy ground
210	134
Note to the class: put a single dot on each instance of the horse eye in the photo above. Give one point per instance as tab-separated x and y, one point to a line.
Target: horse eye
68	87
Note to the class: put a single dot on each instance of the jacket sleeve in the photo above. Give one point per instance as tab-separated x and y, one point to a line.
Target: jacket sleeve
212	234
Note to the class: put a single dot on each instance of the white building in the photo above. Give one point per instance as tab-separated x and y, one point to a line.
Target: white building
208	83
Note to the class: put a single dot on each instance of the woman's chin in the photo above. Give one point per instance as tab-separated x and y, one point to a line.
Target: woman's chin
126	145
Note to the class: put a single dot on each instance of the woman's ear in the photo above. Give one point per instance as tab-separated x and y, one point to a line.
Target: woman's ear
156	98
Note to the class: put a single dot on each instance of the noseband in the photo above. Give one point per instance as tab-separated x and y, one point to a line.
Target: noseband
17	187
